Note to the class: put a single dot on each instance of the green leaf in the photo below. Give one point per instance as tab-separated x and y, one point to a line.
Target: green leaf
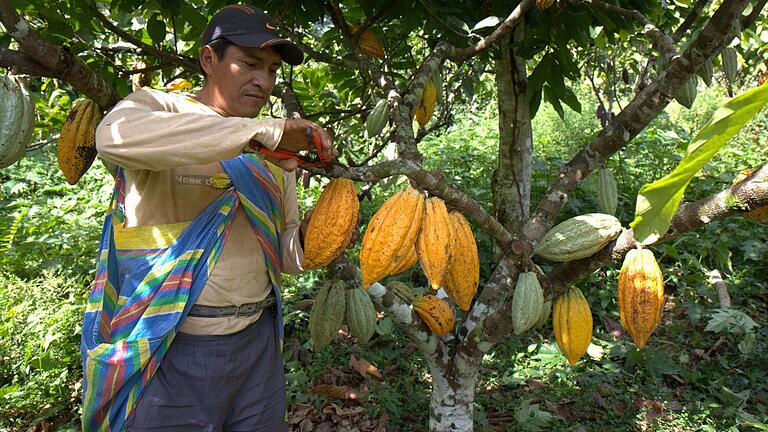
491	21
657	202
156	30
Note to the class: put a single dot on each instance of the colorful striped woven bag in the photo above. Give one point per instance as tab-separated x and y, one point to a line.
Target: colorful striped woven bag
140	296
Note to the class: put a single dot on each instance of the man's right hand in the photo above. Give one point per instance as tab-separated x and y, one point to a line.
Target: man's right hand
296	139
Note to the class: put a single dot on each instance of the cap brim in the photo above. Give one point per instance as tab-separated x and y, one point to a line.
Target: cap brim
289	51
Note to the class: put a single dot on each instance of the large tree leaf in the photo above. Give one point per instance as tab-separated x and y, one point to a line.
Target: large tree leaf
657	202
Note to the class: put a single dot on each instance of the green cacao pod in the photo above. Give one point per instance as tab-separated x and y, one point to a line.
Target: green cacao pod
687	94
17	120
402	291
730	63
527	302
607	191
377	119
578	237
706	72
327	313
437	80
572	323
361	315
546	311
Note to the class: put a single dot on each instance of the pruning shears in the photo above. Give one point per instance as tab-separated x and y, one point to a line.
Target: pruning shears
306	161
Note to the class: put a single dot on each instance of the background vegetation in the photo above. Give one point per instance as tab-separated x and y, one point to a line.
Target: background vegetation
705	368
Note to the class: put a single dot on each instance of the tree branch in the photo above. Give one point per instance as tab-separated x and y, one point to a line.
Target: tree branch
187	63
19	63
634	118
408	320
57	60
689	20
663	41
459	55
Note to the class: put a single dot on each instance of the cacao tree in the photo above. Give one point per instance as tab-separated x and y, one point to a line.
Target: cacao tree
376	66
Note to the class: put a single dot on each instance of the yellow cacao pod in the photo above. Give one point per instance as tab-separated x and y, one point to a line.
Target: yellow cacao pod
436	313
572	322
426	106
641	295
77	141
391	234
463	274
369	43
543	4
332	223
405	262
759	214
435	241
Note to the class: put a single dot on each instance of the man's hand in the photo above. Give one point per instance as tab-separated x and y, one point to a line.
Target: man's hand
296	139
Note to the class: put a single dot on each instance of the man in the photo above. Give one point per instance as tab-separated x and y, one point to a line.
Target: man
183	328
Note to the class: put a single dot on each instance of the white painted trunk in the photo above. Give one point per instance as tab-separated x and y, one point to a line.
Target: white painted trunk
452	399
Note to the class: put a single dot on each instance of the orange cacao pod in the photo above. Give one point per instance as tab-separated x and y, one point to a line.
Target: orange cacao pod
405	262
572	322
391	234
426	106
332	223
436	313
463	274
641	295
77	141
435	242
369	43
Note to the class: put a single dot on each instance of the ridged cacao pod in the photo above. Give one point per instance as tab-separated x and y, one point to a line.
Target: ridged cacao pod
706	72
435	241
759	214
377	119
572	323
426	106
405	262
607	191
391	234
369	43
17	117
361	315
543	4
546	311
687	94
77	141
437	80
332	223
463	274
327	313
730	63
527	302
436	313
641	295
402	291
578	237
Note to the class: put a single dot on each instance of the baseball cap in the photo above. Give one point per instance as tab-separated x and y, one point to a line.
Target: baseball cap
249	26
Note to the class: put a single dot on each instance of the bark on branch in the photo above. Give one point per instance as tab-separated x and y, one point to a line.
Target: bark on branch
57	60
629	122
19	63
748	194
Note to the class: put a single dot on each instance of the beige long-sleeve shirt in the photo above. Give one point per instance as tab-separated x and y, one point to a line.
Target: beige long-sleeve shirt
170	146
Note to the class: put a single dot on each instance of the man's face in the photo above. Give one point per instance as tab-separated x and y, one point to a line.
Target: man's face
242	80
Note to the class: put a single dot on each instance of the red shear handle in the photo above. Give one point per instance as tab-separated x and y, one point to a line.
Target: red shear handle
315	136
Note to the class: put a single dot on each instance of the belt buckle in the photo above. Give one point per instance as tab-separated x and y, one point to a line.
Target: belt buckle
237	311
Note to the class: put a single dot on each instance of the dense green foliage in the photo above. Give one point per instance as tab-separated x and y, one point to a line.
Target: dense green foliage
704	369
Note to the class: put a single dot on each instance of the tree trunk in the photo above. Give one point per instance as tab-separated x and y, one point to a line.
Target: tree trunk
511	183
452	397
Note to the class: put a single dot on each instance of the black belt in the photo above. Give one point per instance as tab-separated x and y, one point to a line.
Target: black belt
244	310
